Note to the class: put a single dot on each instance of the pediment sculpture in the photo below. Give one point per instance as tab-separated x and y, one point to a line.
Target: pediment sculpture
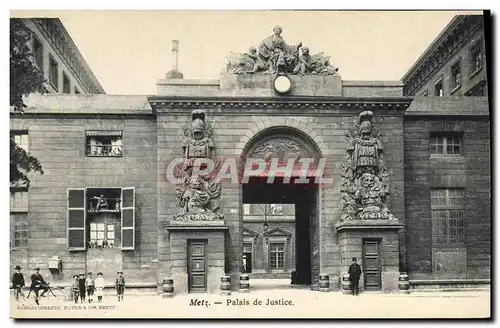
365	188
275	56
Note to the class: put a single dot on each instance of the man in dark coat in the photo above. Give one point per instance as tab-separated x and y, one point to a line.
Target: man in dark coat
37	284
81	284
17	281
354	275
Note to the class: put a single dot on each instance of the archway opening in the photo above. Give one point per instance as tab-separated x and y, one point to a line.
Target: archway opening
280	218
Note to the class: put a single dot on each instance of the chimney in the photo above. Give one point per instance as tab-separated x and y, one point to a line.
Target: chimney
174	73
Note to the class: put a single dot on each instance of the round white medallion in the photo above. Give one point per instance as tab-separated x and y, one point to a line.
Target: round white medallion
282	84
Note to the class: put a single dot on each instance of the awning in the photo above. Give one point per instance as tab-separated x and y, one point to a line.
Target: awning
103	133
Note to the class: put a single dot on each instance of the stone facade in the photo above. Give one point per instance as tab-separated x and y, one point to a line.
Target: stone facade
244	111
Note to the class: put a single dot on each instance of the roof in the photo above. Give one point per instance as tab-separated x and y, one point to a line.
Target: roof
449	106
86	104
448	29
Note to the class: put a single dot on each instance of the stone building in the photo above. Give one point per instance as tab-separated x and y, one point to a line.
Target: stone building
55	53
377	171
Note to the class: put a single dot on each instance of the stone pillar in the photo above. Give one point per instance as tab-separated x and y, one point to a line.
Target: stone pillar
375	243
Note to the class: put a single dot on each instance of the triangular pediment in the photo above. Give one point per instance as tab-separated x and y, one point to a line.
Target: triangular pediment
250	232
277	232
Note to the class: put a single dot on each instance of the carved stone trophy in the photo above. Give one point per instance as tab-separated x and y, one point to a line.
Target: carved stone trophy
365	187
367	230
196	194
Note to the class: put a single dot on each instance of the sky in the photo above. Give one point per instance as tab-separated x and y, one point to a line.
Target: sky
128	51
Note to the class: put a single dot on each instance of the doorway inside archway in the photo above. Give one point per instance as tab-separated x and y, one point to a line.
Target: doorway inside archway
280	232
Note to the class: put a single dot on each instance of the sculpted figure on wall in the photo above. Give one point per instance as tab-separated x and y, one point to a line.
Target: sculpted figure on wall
197	195
364	186
197	200
275	56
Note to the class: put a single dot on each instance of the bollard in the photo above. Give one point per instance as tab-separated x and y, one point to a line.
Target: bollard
225	285
324	283
168	288
68	294
404	283
346	284
244	283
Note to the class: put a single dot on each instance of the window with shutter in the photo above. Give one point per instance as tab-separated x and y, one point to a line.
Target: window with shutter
128	218
76	220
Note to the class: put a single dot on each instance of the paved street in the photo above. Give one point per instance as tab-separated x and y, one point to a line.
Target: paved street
283	303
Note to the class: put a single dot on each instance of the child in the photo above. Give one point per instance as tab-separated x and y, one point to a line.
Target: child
76	288
81	287
99	286
89	285
120	285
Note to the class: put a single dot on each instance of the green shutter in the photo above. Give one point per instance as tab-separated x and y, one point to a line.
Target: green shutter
128	218
76	220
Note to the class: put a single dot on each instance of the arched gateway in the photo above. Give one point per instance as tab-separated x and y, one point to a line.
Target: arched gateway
280	214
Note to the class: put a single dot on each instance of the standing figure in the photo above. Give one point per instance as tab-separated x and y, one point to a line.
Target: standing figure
17	282
81	287
37	284
120	285
89	285
99	286
76	288
354	275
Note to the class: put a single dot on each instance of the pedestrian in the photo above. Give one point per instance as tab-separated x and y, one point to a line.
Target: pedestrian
120	285
76	288
81	286
17	282
89	285
37	284
99	286
354	275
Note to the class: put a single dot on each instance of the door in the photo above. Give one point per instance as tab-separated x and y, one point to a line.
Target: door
197	266
371	264
247	257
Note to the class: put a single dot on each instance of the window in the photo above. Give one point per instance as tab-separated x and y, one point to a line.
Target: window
447	208
102	235
104	143
247	248
438	89
38	53
53	72
446	144
476	58
18	200
66	84
93	223
277	256
19	230
21	139
19	218
275	209
456	76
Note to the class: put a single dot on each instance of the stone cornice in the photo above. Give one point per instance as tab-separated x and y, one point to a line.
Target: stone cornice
161	104
453	38
69	52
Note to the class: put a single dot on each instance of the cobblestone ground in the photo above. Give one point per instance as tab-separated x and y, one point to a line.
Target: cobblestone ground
279	303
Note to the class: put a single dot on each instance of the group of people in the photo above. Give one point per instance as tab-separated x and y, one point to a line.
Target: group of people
83	288
37	283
